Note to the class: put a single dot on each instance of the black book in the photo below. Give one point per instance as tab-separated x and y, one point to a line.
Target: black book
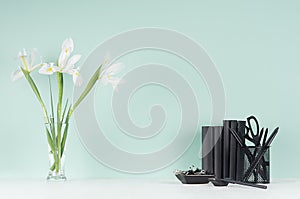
218	151
226	147
207	149
233	151
240	156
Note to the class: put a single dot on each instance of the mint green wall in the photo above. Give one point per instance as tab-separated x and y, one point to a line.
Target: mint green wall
254	44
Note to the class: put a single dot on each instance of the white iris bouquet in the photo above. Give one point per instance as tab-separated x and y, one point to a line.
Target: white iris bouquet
57	119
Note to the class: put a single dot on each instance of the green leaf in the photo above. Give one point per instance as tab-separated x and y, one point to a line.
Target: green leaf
49	138
50	142
64	112
36	92
64	138
58	138
52	129
87	89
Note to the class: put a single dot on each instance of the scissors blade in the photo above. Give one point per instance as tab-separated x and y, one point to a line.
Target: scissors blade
260	136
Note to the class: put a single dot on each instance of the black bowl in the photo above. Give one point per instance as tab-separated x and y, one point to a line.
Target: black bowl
218	183
193	179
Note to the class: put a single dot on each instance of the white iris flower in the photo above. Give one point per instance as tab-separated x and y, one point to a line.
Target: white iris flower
66	63
48	69
27	63
107	74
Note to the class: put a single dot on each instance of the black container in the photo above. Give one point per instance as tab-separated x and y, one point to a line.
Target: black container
261	173
193	179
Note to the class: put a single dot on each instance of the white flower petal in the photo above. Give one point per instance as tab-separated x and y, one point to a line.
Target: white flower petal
106	75
106	60
70	71
115	82
77	78
16	74
104	80
111	70
102	73
54	67
24	52
33	55
115	68
20	54
62	60
48	69
72	61
37	66
68	46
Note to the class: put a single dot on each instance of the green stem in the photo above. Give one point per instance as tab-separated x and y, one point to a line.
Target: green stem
59	118
60	84
24	61
53	133
52	167
53	149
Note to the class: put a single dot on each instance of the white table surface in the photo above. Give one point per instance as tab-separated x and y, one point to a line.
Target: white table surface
142	189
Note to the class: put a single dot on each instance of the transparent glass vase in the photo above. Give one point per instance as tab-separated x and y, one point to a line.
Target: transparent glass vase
56	136
56	169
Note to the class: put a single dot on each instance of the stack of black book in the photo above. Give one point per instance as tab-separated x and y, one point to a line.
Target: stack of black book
221	154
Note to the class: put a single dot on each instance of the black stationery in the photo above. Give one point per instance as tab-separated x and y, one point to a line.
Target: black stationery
232	151
226	149
207	149
218	151
239	152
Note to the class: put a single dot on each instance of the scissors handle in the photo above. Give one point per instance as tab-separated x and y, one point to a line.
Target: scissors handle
250	126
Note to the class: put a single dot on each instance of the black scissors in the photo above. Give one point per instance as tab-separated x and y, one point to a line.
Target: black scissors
255	138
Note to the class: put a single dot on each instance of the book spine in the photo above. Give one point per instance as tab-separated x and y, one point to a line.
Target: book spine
207	149
233	151
240	155
218	151
225	147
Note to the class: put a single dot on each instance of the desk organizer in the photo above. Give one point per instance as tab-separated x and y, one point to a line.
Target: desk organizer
261	173
238	150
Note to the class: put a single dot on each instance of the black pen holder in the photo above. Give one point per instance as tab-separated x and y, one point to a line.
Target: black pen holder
261	173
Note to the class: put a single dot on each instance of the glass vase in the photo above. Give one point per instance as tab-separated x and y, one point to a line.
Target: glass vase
56	136
56	168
